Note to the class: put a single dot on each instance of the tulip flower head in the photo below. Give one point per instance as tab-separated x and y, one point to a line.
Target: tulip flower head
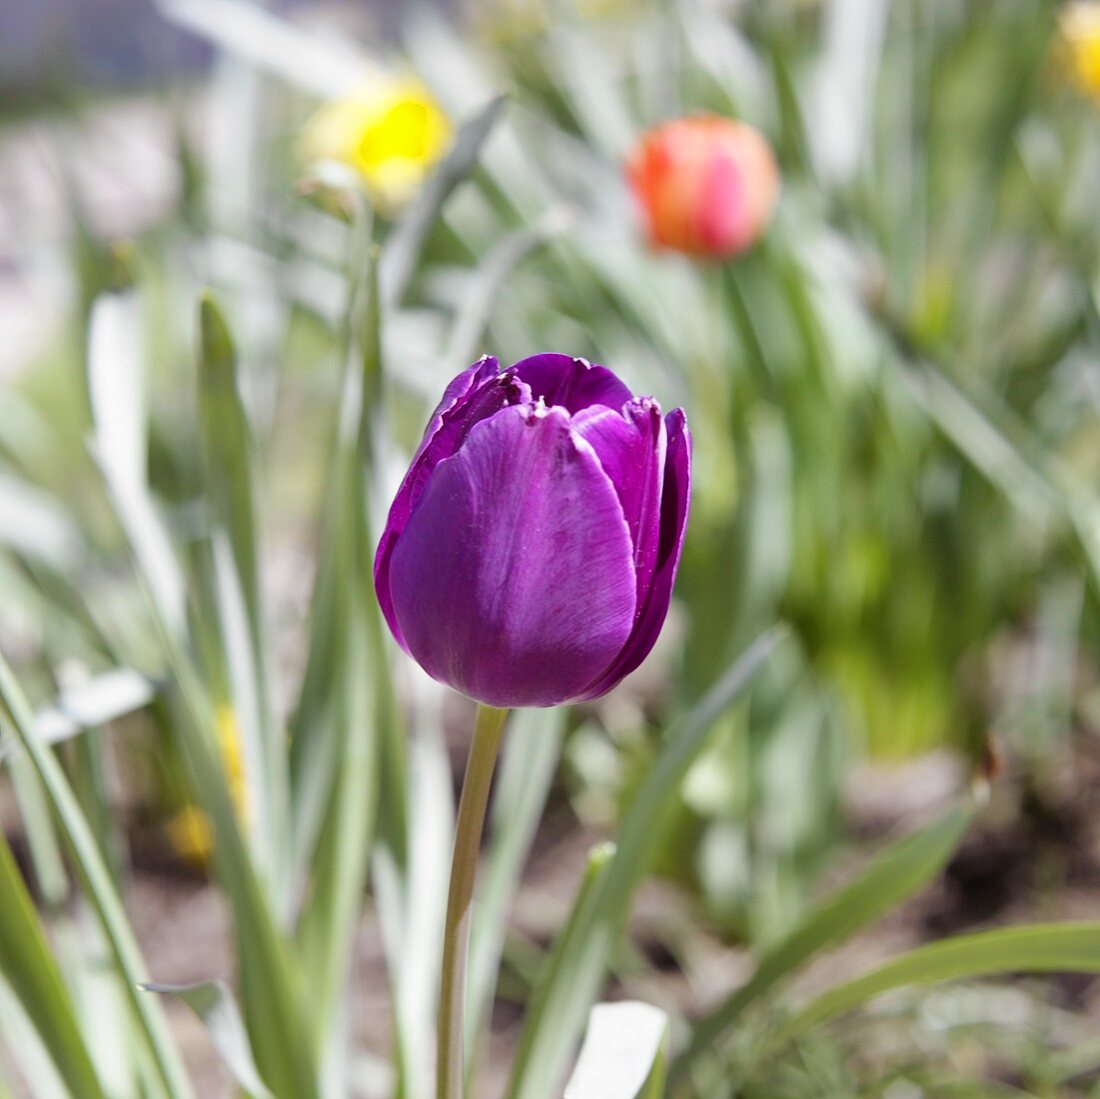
530	552
392	134
706	185
1079	25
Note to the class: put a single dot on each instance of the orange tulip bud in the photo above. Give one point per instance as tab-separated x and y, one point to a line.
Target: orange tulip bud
706	185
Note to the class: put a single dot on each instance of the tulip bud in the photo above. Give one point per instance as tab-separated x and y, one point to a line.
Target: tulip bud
529	555
706	185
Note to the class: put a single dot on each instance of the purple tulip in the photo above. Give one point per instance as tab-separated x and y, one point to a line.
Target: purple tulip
530	553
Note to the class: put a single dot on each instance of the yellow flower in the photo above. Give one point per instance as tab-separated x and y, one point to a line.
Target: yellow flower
190	834
1079	24
189	831
392	134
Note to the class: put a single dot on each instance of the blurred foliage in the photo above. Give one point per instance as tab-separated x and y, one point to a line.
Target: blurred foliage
894	402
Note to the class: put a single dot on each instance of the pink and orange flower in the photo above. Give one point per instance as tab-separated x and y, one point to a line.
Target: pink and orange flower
706	185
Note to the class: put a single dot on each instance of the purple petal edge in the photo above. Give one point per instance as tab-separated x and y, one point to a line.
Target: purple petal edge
631	447
574	384
675	506
447	426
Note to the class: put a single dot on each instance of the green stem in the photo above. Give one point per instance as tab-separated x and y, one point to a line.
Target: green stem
754	350
456	935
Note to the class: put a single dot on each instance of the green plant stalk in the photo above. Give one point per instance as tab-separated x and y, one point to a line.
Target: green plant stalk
574	971
36	981
891	878
98	884
1060	947
456	932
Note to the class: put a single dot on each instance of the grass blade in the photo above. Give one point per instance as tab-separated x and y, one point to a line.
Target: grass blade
269	983
537	1067
98	884
404	247
1037	948
28	1063
213	1003
115	381
99	701
116	385
227	452
484	292
896	874
578	962
32	523
32	973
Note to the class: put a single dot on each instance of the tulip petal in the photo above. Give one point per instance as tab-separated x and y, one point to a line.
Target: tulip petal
724	218
457	390
514	579
675	498
474	395
631	448
571	383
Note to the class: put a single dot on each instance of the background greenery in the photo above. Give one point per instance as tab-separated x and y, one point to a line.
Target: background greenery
894	402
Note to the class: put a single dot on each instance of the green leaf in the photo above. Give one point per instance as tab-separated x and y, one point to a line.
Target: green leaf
115	380
213	1003
404	247
624	1055
32	973
89	705
116	385
483	293
228	459
538	1063
891	878
34	524
341	566
15	712
1037	948
269	982
227	446
359	685
1004	450
27	1061
577	964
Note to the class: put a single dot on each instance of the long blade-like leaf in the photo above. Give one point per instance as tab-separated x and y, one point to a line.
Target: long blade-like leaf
624	1056
88	859
895	875
115	379
357	672
228	459
404	247
32	973
89	705
269	982
574	973
213	1003
1037	948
